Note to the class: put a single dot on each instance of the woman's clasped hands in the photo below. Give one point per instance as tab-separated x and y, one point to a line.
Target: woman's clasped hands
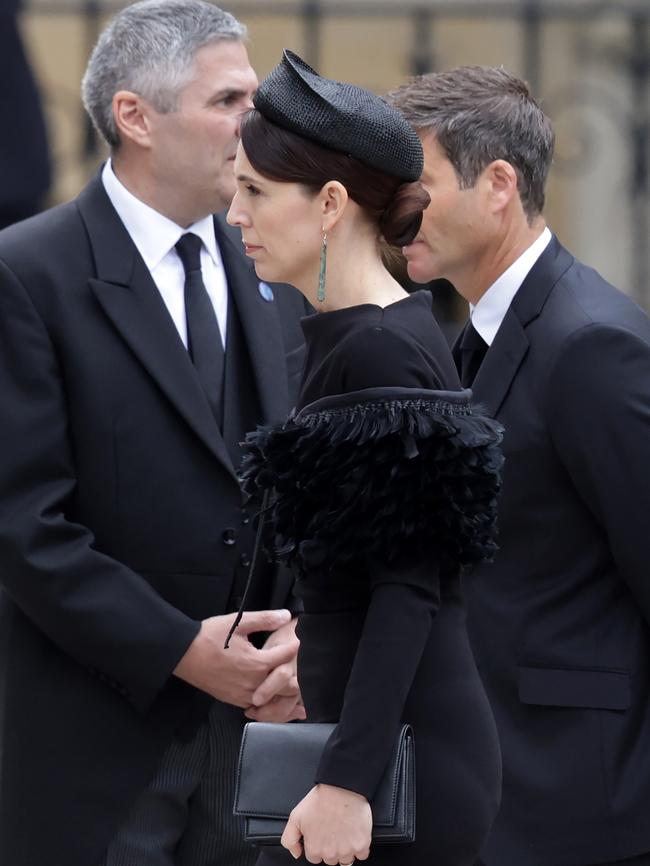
330	825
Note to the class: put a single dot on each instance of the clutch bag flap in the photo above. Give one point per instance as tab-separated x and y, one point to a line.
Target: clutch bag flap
277	768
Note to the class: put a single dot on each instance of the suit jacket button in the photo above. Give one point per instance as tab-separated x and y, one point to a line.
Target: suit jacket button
245	517
245	560
229	537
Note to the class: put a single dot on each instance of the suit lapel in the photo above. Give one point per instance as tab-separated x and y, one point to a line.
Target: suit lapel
260	325
132	302
510	346
500	365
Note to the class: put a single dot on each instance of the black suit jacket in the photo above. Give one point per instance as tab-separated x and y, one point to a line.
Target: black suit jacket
121	519
24	156
559	621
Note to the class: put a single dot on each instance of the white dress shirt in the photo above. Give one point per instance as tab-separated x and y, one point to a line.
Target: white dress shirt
155	237
491	309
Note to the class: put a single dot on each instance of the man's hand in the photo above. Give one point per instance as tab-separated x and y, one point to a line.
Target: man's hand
233	675
278	698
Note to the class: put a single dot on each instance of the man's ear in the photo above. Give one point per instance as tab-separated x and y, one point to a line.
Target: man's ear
500	178
333	199
132	119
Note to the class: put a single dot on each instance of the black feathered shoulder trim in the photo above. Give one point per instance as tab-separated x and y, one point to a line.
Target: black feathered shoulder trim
386	472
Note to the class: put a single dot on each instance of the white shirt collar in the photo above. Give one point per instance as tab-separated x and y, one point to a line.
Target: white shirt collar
153	234
491	309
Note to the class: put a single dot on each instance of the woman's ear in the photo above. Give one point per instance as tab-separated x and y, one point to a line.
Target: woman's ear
333	200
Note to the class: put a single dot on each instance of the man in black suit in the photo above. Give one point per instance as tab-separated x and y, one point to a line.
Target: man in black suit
24	157
124	539
559	621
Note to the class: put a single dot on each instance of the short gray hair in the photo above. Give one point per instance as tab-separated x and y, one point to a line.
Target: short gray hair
150	48
479	114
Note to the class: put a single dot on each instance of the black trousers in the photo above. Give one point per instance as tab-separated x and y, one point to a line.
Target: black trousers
184	817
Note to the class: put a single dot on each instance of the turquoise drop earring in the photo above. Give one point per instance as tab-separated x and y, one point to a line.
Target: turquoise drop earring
323	269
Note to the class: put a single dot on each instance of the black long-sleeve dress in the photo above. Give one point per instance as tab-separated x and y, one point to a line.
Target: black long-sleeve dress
385	482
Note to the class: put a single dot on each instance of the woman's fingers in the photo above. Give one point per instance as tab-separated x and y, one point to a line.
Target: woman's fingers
292	838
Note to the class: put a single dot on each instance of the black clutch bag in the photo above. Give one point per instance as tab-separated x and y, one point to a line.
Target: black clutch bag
277	766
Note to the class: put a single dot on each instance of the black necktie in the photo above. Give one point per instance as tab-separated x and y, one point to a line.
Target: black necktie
203	334
472	351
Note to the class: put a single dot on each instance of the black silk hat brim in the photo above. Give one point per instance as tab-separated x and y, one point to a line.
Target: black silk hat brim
341	116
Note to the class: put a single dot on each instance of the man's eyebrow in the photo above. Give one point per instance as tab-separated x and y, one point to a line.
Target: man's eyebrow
229	91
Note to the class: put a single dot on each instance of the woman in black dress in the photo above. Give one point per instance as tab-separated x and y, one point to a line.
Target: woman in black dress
384	478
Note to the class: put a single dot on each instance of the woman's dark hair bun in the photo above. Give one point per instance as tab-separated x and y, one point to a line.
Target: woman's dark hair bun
402	218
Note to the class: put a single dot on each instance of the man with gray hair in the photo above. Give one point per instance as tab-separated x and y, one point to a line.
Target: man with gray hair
137	347
559	623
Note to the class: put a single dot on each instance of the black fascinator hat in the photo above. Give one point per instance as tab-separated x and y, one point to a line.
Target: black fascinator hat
340	116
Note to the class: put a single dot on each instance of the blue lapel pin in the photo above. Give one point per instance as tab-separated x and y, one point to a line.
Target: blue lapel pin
266	291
